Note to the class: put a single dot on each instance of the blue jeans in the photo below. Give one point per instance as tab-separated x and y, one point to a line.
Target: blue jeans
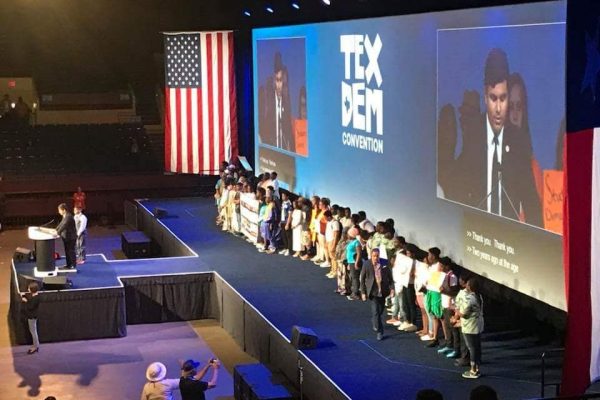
32	323
397	307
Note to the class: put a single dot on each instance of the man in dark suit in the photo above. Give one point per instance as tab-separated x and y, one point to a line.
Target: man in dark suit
493	171
275	118
68	232
376	283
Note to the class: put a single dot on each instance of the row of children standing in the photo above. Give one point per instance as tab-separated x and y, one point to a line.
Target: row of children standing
427	291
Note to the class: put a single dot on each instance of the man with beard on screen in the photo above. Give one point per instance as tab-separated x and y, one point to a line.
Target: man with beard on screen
493	171
275	123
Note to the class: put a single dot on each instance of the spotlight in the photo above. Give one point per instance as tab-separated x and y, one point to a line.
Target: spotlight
269	9
247	13
296	5
326	2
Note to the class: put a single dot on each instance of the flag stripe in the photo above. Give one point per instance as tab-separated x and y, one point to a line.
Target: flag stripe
226	100
232	109
200	118
576	238
214	71
219	145
174	129
195	135
594	260
205	115
190	140
210	105
168	130
182	158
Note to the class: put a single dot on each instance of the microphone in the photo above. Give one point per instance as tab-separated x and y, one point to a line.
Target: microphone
47	223
494	187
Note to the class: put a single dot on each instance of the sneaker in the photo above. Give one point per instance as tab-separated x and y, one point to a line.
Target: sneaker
433	343
379	336
471	374
402	325
296	254
305	257
453	354
261	250
282	252
330	275
352	297
270	251
391	321
286	253
410	328
324	264
315	258
426	338
445	350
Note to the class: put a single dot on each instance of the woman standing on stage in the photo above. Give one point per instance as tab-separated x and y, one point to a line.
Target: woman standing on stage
32	303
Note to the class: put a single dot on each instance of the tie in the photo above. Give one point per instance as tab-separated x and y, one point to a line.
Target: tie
279	127
495	182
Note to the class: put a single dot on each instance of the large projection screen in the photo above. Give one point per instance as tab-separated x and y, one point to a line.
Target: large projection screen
451	123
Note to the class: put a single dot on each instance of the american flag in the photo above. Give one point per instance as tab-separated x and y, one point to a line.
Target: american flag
581	240
200	110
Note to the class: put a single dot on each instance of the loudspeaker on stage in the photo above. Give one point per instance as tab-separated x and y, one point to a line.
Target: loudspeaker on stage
304	338
22	255
58	282
160	212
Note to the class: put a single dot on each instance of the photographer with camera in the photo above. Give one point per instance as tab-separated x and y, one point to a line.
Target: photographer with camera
191	385
31	302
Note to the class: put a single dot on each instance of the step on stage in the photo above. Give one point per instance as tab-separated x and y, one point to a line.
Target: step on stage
259	298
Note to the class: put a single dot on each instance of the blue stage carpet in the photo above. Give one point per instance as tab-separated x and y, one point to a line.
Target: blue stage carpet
288	292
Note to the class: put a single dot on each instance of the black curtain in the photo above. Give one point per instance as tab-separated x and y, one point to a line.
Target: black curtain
168	298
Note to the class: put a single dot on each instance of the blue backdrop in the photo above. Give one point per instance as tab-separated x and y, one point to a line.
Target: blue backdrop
401	182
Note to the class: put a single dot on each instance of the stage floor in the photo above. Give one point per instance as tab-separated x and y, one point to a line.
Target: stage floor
288	292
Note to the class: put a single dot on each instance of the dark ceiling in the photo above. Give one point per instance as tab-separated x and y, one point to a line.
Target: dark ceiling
74	45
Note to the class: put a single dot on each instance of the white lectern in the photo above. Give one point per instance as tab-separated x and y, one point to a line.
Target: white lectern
44	252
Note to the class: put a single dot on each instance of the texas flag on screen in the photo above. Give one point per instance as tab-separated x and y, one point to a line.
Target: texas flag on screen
582	198
200	107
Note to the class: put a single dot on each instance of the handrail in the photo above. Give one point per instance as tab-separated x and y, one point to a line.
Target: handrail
543	383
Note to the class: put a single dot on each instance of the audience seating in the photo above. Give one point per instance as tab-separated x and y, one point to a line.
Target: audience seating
66	149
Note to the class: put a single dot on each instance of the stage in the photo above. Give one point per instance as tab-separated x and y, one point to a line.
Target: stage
206	273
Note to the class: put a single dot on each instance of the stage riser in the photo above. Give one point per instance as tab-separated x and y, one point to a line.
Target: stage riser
169	298
103	313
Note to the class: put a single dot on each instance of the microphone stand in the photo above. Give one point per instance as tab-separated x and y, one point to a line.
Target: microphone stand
505	193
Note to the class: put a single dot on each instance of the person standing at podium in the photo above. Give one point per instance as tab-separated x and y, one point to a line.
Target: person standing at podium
67	231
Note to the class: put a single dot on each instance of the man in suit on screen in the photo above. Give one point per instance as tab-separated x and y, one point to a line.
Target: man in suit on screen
275	118
493	171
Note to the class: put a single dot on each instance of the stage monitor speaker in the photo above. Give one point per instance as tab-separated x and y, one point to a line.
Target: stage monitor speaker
58	282
304	338
159	212
22	255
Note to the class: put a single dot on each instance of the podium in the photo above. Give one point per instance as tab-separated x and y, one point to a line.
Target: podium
44	252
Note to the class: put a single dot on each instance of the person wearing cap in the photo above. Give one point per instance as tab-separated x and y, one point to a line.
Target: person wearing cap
191	385
158	387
